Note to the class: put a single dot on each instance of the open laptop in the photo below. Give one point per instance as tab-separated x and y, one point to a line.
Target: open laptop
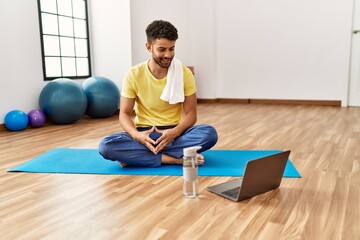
261	175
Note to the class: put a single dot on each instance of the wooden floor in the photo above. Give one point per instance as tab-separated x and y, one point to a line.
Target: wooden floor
323	204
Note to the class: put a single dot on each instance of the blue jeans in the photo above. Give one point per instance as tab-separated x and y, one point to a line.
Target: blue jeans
123	148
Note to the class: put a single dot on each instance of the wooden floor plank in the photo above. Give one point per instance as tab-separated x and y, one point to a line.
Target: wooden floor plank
323	204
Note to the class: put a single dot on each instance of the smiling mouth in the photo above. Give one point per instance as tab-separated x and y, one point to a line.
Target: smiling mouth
163	62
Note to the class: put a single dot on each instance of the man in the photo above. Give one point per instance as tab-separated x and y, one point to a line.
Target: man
165	113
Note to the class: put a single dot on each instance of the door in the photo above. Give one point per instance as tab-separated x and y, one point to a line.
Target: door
354	82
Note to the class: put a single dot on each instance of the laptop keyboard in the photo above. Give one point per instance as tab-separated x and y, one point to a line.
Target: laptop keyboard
234	192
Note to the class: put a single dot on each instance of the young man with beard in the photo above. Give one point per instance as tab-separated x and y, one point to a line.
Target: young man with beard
163	92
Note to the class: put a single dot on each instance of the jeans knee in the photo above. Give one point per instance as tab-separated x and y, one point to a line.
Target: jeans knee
212	136
104	149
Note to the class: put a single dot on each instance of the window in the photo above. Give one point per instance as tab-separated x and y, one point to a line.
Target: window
64	38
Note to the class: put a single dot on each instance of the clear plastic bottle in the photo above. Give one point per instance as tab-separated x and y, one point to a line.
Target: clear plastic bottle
190	172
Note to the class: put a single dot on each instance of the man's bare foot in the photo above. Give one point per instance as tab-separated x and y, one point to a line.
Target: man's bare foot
201	159
123	164
171	160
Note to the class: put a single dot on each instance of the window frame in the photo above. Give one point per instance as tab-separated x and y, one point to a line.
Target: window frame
75	57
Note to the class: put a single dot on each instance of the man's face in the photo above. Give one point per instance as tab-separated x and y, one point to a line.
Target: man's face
162	50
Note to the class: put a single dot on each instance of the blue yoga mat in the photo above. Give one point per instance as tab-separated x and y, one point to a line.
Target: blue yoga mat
89	161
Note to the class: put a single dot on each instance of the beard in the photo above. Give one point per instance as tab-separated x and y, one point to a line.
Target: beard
163	62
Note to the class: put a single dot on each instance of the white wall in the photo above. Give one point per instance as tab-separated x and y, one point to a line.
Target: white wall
284	49
277	49
110	33
21	79
203	37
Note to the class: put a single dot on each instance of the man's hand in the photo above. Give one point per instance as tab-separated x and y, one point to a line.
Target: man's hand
143	137
167	137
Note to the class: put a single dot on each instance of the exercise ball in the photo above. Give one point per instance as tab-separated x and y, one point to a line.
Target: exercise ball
103	97
36	118
63	100
16	120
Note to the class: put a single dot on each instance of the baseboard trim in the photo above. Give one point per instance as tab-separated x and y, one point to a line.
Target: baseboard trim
272	101
222	100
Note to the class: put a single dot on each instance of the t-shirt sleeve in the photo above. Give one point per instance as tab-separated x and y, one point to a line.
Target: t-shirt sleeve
189	82
128	89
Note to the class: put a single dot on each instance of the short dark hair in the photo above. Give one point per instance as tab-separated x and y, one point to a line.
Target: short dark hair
161	29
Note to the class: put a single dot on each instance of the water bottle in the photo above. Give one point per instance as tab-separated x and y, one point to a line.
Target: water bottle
190	172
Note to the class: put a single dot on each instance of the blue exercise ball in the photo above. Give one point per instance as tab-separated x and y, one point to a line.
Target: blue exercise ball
63	100
16	120
103	97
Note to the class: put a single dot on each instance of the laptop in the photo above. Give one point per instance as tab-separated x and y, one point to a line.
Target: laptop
261	175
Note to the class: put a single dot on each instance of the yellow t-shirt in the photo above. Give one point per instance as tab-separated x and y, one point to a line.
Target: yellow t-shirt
150	110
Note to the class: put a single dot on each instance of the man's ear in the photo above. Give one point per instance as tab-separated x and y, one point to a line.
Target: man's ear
148	46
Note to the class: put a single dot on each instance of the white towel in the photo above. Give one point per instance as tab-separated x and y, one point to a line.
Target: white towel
174	89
